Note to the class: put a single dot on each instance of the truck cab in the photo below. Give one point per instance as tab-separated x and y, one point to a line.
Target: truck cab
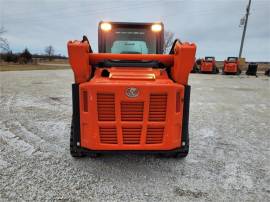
129	96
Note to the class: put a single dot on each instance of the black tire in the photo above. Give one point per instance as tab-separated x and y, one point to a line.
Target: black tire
75	150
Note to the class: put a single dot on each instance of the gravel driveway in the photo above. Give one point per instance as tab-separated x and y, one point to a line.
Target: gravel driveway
229	157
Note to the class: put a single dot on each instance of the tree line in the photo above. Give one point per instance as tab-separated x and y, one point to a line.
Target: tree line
25	56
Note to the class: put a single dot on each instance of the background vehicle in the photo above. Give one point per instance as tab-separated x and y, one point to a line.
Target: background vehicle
231	66
267	72
129	96
252	69
208	65
196	65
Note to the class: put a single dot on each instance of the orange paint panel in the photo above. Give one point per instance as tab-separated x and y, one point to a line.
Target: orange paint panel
207	66
79	61
230	67
184	58
115	121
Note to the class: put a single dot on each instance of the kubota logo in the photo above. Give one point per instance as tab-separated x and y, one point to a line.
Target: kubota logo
132	92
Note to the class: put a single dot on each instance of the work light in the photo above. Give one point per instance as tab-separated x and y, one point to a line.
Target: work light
156	27
105	26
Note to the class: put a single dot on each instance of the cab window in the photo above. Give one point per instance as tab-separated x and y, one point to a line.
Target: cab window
131	41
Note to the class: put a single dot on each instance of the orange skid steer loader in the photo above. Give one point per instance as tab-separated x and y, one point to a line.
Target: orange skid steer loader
231	66
208	65
129	96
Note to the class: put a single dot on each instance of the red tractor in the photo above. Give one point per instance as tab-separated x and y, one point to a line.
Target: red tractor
208	65
231	66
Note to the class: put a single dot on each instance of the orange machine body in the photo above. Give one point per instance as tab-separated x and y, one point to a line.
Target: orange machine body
111	120
208	66
231	66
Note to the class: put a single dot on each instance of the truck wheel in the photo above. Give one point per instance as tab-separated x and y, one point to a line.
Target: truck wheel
75	150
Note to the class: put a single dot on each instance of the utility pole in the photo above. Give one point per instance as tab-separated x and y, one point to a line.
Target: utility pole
244	30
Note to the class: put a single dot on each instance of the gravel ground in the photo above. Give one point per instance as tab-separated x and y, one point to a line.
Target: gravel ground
229	158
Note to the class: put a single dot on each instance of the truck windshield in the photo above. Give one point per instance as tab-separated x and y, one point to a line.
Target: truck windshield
131	41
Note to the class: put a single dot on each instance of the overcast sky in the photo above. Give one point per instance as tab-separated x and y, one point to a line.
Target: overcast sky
212	24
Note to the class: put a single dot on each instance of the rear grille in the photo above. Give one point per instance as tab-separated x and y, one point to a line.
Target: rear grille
157	107
108	135
154	134
132	111
131	135
106	106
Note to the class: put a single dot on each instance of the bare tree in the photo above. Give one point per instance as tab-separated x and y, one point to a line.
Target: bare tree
4	46
168	41
49	50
